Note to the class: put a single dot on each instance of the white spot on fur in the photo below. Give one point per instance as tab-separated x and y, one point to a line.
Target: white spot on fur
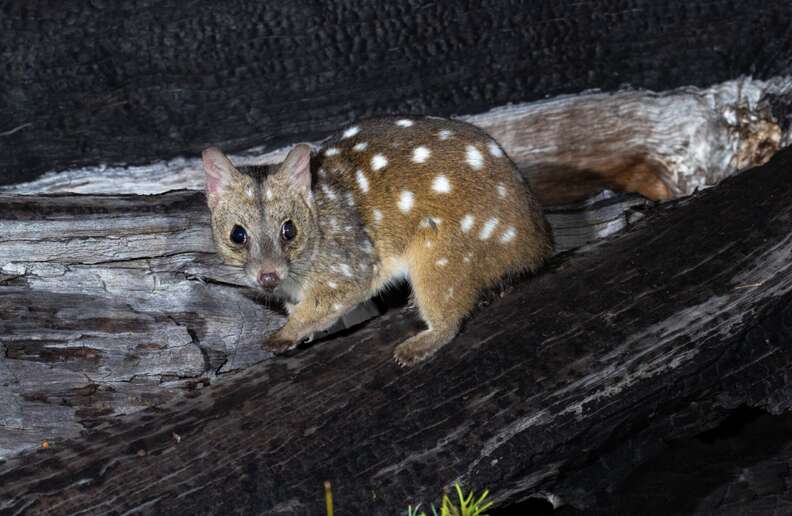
352	131
322	172
268	194
350	199
488	228
440	184
358	147
378	162
501	188
333	223
332	284
377	216
421	154
346	270
329	192
428	244
332	151
367	247
473	157
362	181
467	258
508	235
495	150
450	293
404	122
406	201
249	193
337	307
442	262
467	222
444	134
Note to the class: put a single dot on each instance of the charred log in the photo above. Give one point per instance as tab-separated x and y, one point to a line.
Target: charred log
558	387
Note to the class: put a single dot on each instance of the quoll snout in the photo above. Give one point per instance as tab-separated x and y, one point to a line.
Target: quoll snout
268	280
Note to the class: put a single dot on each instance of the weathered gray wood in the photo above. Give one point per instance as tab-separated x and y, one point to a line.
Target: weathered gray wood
558	387
104	302
662	145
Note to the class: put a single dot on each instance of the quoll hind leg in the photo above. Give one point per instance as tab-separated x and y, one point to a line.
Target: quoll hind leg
444	297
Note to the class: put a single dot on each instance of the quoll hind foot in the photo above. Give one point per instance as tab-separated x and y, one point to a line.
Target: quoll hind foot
420	347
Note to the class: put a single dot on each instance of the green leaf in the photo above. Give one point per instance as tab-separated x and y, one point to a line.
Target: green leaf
468	505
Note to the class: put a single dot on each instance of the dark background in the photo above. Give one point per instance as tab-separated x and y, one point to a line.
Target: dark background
741	468
133	81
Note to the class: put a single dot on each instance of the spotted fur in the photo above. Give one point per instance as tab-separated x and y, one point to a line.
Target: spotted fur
433	201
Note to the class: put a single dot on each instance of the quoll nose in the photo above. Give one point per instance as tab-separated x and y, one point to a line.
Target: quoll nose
268	280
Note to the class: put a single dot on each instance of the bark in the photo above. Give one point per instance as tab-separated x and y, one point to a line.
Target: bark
559	387
127	81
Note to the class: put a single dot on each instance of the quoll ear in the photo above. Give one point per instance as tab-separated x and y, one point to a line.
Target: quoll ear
296	169
218	174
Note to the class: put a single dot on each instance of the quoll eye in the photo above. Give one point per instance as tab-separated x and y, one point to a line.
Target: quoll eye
238	235
288	230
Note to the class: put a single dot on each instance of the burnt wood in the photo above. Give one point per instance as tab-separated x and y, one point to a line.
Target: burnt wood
740	468
129	82
558	387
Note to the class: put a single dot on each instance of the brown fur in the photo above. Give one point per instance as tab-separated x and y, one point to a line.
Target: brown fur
344	253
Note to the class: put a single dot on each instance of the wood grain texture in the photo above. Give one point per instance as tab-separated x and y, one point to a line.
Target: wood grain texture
558	387
132	81
109	303
660	145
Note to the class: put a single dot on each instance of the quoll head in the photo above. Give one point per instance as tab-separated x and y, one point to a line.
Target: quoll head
262	219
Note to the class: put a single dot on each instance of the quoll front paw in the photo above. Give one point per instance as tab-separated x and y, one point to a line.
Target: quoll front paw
277	344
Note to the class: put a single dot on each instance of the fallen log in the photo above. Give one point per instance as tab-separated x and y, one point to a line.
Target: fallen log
558	388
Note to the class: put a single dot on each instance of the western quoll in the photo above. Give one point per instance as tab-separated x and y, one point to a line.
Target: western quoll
432	201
